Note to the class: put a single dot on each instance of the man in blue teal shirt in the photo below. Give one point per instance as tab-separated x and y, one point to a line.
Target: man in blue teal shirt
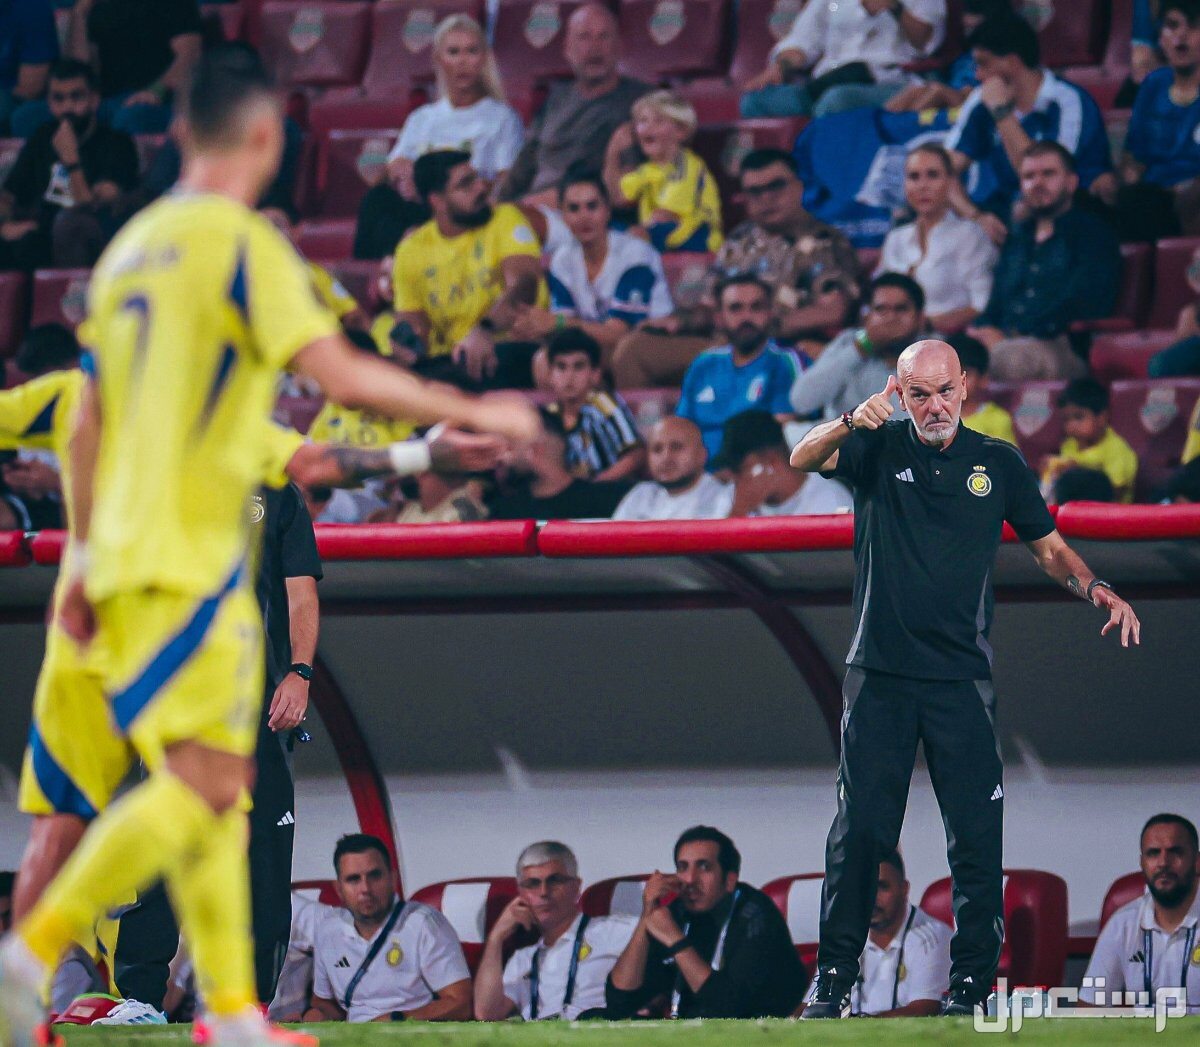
28	44
1160	167
749	372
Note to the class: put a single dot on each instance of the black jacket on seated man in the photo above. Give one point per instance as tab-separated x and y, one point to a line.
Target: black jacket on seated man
1041	289
759	974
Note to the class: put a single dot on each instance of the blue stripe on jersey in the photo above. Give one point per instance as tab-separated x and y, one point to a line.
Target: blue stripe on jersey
87	363
631	299
228	359
63	795
44	421
238	291
560	298
129	703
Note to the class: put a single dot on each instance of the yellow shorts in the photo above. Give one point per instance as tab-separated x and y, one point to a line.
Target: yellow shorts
181	668
76	758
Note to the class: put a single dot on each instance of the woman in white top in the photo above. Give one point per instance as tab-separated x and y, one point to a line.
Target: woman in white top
952	258
470	112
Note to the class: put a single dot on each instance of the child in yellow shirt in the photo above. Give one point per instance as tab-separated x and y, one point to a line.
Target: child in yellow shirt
1091	442
674	192
980	413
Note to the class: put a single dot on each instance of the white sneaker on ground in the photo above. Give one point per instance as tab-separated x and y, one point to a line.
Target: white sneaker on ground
132	1012
22	979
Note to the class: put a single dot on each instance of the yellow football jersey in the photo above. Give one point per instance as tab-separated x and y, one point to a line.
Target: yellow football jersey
455	280
331	292
686	188
1112	456
38	414
192	311
992	420
341	425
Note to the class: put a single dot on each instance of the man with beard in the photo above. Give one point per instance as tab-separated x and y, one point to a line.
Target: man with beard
1153	942
719	949
749	372
858	361
930	500
679	488
460	279
57	204
1060	265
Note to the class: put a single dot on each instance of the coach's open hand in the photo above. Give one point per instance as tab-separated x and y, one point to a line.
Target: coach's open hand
873	412
1120	613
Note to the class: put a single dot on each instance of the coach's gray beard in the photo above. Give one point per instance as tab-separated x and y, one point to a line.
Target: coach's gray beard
939	438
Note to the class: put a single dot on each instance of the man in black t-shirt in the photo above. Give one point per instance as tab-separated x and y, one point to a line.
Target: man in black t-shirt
60	202
930	499
720	949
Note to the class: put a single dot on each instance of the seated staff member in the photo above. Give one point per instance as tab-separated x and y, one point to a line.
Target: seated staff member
562	975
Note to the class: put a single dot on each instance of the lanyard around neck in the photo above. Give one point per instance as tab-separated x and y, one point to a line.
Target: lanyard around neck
718	956
1148	959
572	972
912	915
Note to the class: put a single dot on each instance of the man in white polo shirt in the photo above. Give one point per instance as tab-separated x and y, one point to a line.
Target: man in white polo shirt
1153	942
678	488
381	959
905	968
563	975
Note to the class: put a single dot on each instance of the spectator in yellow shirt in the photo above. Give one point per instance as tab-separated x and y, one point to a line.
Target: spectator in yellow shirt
1091	442
674	192
980	413
1191	446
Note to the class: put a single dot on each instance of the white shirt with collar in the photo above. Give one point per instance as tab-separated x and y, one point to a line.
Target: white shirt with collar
422	955
709	499
914	966
954	271
1120	954
813	499
834	33
604	939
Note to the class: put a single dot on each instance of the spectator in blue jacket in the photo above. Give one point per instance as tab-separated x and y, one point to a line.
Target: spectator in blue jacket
28	44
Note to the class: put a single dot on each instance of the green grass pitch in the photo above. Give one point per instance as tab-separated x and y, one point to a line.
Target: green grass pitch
900	1032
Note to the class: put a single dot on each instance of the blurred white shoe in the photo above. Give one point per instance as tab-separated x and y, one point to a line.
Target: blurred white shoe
132	1012
22	978
248	1029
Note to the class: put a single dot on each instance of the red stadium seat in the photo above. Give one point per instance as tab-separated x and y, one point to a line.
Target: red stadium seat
1133	296
1123	890
714	98
723	146
761	24
1035	924
620	896
357	277
325	241
402	41
14	303
1171	291
472	906
229	17
669	38
1153	414
528	39
1126	355
325	891
315	44
59	296
1100	83
348	163
1074	33
687	274
360	113
1034	407
799	899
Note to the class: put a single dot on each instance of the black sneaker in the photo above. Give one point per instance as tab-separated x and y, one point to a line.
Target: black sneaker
961	1001
830	998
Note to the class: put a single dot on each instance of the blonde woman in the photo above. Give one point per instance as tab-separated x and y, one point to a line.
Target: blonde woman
470	112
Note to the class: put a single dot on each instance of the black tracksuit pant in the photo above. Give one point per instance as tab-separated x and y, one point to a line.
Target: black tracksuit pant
883	719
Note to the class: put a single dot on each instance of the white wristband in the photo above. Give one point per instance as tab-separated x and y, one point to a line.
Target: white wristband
409	457
77	556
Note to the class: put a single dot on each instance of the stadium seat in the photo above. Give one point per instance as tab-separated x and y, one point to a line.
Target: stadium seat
1153	414
722	147
1034	407
325	891
14	291
1123	890
1099	82
358	277
1126	355
315	44
620	896
687	273
59	296
229	17
528	39
1133	295
472	906
799	899
1035	924
661	39
361	113
1074	33
1172	258
761	24
714	98
325	241
402	41
348	163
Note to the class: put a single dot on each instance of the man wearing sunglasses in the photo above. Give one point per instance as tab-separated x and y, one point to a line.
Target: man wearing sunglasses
563	974
810	267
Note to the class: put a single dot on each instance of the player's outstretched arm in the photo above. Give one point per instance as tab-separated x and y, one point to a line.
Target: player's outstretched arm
363	382
1066	567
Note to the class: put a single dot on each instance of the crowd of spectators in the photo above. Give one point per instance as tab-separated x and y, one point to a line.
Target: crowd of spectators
533	257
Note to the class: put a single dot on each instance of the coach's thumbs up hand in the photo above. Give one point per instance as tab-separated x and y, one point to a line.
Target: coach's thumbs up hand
874	411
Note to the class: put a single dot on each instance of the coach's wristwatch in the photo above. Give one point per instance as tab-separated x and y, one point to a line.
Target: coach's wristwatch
1097	583
302	669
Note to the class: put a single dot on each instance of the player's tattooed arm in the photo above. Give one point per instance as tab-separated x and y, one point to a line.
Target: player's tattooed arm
328	465
1073	585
